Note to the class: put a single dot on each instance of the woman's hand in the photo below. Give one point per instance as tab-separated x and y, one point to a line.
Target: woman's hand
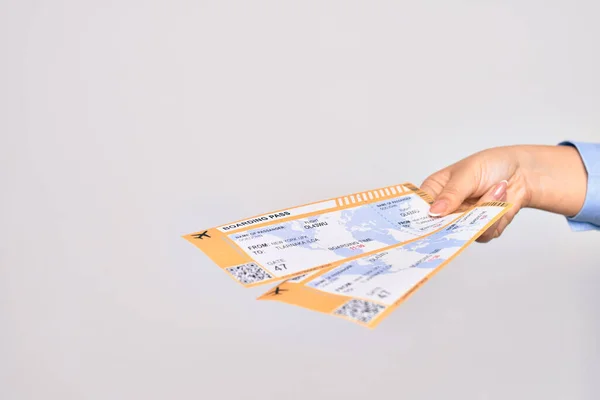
550	178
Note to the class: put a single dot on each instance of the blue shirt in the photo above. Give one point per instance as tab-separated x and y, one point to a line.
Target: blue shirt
588	217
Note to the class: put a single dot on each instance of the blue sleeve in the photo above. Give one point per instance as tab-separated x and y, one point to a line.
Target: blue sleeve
588	217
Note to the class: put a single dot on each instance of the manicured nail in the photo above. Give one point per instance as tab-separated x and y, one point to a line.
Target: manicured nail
438	208
499	190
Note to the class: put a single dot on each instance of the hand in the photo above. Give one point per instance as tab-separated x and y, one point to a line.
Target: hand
550	178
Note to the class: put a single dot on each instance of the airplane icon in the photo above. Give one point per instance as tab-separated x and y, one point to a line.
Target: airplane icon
201	235
277	291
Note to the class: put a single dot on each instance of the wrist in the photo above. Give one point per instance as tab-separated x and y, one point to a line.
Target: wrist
556	178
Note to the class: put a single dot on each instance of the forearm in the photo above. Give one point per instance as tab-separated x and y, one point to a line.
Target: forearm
556	177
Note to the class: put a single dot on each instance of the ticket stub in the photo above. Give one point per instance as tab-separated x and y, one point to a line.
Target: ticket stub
289	242
367	289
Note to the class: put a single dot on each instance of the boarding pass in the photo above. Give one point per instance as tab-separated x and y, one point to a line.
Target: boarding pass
292	241
367	289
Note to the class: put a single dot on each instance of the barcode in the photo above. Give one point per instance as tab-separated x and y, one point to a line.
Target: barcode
360	310
249	273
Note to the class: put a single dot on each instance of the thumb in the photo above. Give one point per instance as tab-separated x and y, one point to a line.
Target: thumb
459	188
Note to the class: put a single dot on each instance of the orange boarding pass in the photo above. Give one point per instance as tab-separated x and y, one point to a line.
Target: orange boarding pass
292	241
367	289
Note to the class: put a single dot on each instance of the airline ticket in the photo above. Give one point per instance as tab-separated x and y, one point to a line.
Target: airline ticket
289	242
365	290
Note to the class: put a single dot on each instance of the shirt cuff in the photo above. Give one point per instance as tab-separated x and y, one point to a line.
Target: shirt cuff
588	218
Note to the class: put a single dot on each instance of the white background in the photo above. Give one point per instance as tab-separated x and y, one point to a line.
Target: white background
125	124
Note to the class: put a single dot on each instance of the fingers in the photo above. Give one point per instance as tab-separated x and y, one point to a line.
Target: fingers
496	193
434	184
514	196
501	225
460	186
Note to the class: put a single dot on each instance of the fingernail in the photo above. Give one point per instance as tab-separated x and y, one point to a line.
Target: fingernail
499	190
438	208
